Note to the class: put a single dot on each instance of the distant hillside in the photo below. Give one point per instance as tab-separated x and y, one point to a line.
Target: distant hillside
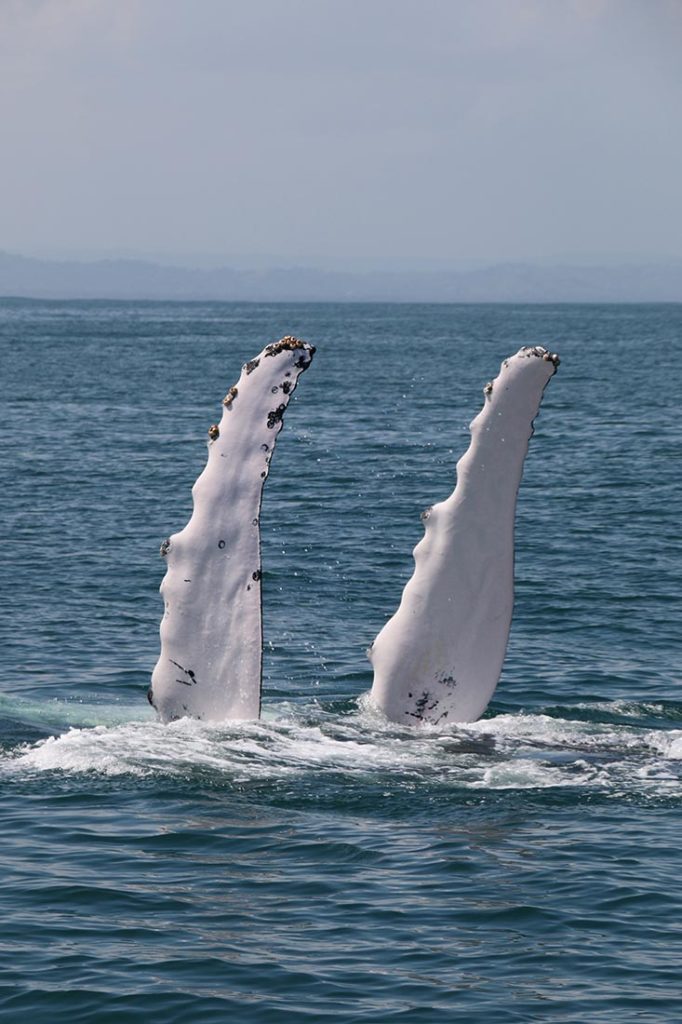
21	276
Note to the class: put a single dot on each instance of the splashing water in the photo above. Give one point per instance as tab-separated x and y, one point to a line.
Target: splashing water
296	741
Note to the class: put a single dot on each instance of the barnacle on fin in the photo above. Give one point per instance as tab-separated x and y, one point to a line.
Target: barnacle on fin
290	344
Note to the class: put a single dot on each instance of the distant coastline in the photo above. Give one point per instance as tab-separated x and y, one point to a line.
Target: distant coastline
27	277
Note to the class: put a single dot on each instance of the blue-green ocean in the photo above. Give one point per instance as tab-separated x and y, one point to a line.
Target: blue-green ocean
321	864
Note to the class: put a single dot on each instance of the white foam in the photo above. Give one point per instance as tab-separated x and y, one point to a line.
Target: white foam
522	774
558	732
508	751
668	742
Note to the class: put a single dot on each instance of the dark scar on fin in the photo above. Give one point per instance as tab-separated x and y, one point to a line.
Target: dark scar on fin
422	706
188	672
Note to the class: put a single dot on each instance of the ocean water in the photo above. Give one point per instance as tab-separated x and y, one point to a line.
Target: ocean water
321	864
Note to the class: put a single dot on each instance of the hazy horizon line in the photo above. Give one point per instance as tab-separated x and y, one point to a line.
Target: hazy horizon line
508	282
252	262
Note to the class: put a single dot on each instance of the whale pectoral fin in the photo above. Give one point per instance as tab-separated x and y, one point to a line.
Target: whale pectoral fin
210	664
439	658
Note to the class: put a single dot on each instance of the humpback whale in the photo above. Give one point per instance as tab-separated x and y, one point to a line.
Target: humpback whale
210	665
439	658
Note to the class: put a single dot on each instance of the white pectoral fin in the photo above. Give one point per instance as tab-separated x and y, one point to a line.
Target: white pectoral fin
439	658
210	664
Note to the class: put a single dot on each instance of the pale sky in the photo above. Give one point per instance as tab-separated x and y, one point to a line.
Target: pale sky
342	133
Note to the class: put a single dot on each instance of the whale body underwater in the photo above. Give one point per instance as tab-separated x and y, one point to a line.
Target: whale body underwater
439	658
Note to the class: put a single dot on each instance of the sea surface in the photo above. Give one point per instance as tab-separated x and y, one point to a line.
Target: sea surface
322	864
